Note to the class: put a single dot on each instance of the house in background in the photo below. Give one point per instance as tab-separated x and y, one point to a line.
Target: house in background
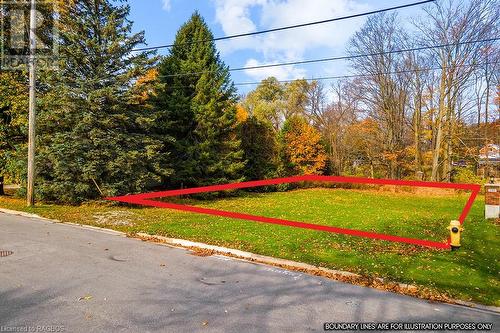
489	161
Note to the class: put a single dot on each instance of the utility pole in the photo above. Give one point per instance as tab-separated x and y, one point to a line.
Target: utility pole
32	108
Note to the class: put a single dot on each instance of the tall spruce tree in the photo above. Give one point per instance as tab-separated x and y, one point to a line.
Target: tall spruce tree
198	110
94	139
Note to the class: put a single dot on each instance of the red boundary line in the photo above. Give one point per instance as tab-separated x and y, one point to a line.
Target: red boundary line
145	200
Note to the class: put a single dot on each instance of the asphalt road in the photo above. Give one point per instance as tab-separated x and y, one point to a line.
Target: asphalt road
81	280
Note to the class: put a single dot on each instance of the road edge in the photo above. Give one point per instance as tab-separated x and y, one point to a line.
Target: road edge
203	249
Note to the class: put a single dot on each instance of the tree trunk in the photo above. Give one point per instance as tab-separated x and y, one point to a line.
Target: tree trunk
1	186
417	124
446	164
446	169
451	125
439	126
486	107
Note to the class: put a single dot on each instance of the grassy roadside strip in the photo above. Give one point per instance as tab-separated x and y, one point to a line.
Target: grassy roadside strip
470	274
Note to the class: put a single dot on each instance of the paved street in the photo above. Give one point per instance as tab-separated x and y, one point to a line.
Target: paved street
93	281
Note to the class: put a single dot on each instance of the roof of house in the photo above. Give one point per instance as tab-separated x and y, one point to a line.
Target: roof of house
490	152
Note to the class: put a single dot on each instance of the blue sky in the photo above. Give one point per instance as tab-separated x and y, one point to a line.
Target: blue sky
161	19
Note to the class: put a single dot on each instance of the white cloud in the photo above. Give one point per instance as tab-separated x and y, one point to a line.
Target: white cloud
291	12
281	73
167	5
235	16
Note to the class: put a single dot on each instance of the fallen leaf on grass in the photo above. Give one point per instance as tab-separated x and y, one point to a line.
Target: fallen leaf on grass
85	298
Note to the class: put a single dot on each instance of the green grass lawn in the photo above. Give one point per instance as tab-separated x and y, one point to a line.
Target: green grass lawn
472	273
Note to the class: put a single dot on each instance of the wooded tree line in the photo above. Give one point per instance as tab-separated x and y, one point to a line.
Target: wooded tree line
115	121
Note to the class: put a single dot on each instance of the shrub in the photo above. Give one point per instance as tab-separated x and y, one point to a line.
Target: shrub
467	176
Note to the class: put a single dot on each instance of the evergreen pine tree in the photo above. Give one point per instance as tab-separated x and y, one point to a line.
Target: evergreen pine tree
198	110
259	145
94	139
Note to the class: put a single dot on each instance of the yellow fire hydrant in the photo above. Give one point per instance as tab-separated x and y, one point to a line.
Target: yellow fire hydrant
455	232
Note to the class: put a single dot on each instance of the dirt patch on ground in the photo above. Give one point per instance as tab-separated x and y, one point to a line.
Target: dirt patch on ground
423	191
114	218
381	189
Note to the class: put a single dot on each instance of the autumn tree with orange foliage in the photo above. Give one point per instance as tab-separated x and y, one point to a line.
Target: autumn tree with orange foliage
302	150
143	89
241	114
366	142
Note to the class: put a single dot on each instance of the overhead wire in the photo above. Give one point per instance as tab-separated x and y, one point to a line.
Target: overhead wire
301	62
372	74
346	57
247	34
325	78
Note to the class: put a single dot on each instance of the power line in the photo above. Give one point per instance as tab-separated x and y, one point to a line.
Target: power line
288	27
362	55
302	62
324	78
366	75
